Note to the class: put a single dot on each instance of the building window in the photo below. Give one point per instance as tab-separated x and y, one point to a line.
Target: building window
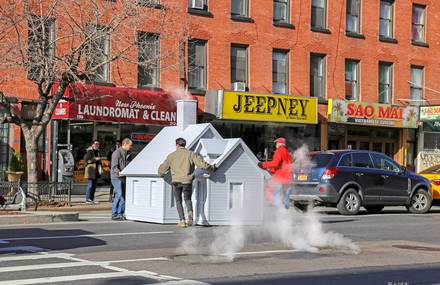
317	75
353	16
239	67
41	39
281	11
4	148
385	82
418	23
416	85
351	79
198	4
98	54
280	71
319	14
386	19
148	3
197	64
148	59
240	8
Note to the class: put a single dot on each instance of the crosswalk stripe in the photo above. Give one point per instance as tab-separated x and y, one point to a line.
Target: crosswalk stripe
45	280
43	266
35	256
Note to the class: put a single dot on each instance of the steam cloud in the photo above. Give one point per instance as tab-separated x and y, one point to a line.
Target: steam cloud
291	228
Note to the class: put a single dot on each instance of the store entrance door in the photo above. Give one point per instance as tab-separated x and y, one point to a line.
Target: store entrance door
107	135
380	140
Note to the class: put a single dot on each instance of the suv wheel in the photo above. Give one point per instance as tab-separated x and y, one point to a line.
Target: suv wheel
350	203
374	209
420	202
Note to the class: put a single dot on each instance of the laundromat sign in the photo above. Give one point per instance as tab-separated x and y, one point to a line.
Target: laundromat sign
373	114
116	104
269	107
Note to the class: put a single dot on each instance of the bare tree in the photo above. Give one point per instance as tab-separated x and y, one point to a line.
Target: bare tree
48	45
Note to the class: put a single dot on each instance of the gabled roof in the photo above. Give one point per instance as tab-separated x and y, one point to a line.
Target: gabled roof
226	147
147	162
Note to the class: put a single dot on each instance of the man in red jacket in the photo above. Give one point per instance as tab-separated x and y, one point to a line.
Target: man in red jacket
281	167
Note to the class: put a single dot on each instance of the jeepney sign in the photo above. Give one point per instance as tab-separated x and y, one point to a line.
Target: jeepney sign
373	114
269	107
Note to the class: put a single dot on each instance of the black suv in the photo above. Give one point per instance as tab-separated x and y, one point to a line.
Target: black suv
349	179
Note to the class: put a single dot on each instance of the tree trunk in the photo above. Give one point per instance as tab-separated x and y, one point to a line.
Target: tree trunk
31	139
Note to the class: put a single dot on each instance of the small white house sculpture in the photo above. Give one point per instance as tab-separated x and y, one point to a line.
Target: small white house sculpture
236	187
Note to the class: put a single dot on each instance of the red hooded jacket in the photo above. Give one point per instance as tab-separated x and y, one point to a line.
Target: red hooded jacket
281	166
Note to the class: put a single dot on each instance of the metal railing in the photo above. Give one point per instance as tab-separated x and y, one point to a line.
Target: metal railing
36	192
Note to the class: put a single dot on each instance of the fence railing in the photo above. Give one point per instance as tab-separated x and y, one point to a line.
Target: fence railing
40	191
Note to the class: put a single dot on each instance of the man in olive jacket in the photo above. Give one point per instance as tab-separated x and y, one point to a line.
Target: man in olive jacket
181	164
92	161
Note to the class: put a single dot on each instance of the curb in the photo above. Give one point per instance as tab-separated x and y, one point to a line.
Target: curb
38	218
76	209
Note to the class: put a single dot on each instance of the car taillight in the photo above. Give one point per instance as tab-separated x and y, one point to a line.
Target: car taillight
330	173
435	182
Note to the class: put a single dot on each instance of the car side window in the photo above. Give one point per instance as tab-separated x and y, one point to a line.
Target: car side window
362	160
385	163
345	161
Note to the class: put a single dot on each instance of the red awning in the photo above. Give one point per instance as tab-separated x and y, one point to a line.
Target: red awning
116	104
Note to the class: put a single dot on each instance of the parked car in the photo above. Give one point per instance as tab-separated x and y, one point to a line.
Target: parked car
349	179
433	174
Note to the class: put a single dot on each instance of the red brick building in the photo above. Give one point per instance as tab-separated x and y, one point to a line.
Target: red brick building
380	51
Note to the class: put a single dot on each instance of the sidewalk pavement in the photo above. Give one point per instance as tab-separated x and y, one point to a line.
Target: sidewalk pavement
78	204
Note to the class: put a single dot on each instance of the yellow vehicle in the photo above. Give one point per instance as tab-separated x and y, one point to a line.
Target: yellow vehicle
433	173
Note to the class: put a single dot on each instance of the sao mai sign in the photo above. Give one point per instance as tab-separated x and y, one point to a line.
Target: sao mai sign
429	113
269	107
374	114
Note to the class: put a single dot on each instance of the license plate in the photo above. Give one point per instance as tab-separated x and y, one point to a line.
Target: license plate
302	177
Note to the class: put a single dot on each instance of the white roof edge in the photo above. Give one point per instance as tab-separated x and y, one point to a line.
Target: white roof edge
197	139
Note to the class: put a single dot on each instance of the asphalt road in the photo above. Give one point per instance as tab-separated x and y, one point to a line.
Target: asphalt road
395	248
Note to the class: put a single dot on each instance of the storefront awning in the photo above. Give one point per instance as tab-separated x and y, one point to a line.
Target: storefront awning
91	102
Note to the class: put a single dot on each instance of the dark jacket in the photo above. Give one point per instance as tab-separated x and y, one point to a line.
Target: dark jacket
119	162
92	166
181	164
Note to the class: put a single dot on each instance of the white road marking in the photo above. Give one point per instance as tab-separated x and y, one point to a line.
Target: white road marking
86	236
43	266
46	280
35	256
133	260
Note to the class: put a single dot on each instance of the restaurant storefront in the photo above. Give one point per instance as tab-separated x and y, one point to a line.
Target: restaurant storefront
108	114
259	118
428	152
389	129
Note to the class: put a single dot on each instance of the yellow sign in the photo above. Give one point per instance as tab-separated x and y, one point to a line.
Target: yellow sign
269	107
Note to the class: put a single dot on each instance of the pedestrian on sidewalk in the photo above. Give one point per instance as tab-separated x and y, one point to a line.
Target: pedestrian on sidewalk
93	170
181	164
118	163
109	158
281	168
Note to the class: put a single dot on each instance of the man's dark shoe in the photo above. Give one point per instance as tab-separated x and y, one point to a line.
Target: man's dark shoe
116	218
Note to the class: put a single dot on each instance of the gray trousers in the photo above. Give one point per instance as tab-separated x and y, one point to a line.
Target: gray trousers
186	189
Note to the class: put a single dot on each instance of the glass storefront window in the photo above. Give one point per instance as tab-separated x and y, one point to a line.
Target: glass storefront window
431	141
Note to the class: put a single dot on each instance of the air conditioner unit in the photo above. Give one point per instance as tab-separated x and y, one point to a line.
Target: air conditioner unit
197	4
239	86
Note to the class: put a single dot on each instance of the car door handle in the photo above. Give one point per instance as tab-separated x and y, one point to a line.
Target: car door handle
359	174
384	176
